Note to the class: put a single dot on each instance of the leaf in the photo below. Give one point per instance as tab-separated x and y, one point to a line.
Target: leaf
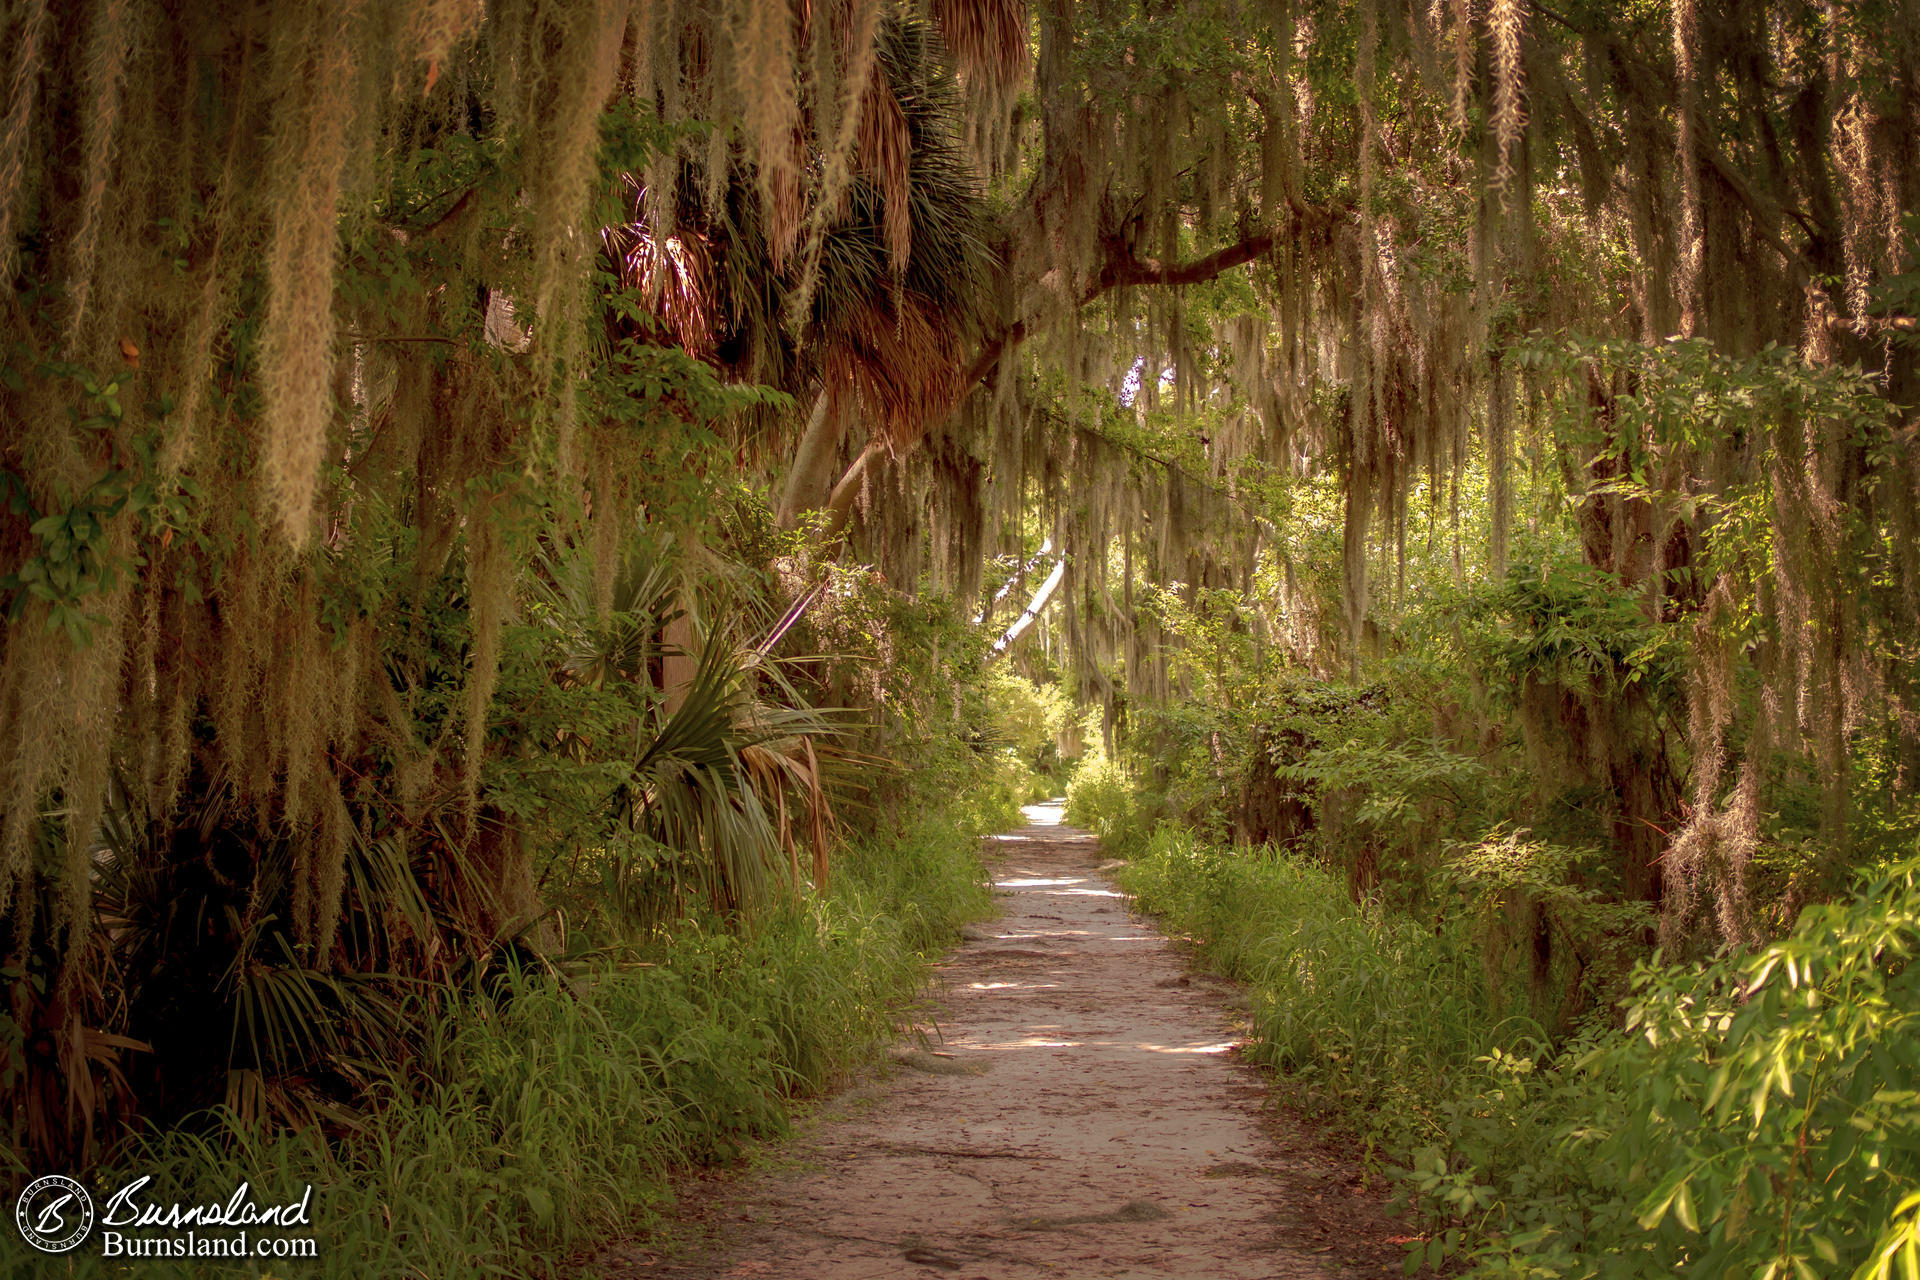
1683	1208
1717	1086
1652	1210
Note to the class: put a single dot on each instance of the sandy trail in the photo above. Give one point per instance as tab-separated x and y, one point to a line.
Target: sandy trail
1080	1113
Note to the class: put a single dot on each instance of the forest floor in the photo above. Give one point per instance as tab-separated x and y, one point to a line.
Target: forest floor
1073	1106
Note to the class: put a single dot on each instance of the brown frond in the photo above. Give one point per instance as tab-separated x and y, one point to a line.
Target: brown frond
988	39
676	274
903	364
886	155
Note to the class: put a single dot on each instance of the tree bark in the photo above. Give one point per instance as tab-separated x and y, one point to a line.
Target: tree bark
810	479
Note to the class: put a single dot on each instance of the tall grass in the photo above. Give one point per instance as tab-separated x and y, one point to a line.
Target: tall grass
550	1110
1102	798
1756	1116
1368	1010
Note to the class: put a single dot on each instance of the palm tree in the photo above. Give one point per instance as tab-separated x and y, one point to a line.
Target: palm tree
868	314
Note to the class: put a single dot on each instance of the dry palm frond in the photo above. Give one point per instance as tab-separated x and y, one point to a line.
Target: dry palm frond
902	364
676	274
988	39
885	155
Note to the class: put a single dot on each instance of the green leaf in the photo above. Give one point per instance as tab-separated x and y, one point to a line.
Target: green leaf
1653	1210
1683	1208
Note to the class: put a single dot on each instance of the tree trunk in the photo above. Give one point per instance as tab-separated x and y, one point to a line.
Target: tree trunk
840	502
810	479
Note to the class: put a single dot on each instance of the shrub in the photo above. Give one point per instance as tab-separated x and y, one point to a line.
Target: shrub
1758	1117
1103	799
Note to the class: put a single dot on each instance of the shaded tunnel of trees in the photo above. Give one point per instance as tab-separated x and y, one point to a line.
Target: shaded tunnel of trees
481	480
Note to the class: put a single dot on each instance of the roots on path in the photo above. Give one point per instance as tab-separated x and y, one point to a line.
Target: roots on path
1079	1113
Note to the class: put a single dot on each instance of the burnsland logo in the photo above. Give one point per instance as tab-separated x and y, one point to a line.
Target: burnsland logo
55	1215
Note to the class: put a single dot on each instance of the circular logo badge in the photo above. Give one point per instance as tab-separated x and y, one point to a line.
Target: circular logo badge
54	1214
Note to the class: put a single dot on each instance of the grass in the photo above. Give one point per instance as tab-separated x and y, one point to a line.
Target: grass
1374	1013
1754	1116
550	1113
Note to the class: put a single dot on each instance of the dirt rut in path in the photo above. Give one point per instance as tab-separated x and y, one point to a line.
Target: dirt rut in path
1079	1114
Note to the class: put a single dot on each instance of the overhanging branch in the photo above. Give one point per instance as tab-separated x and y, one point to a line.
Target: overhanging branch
1033	611
1121	269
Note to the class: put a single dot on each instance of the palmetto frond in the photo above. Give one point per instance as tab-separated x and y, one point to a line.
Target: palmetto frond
988	39
595	649
725	775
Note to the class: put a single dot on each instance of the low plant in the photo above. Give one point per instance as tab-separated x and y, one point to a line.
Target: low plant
1754	1117
1102	798
550	1106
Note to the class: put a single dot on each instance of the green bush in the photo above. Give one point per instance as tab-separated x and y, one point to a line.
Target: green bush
1104	800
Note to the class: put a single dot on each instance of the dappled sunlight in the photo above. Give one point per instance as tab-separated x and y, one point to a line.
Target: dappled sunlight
1057	924
1224	1046
1050	813
1028	1042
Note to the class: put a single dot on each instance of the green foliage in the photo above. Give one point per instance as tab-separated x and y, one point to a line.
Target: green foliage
1753	1118
1567	624
1027	719
1102	798
552	1105
76	556
1370	1009
1770	1100
1031	716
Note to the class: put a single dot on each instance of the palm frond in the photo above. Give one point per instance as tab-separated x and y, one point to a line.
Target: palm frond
988	39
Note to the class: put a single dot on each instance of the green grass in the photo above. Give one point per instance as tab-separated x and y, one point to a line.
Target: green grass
1103	799
1757	1116
1373	1012
549	1114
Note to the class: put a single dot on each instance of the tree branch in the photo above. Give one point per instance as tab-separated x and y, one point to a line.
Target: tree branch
1041	598
1126	269
1121	269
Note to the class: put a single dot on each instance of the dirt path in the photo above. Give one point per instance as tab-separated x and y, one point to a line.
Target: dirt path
1080	1114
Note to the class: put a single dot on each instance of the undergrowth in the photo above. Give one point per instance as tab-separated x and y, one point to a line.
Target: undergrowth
1755	1117
1102	798
550	1110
